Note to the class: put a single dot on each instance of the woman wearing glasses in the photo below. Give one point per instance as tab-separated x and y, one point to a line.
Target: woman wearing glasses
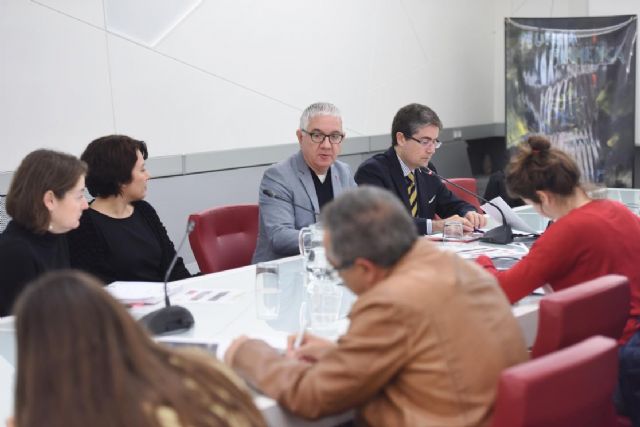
121	236
84	361
45	201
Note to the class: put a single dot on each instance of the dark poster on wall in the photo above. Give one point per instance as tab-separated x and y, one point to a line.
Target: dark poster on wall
573	80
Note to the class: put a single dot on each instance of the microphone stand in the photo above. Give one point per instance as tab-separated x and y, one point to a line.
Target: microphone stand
502	234
170	318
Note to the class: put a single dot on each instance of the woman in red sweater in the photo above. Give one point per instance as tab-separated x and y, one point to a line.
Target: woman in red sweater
588	239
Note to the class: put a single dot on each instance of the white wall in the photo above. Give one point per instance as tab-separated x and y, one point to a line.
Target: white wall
236	73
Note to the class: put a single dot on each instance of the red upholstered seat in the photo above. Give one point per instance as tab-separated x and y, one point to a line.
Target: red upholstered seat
597	307
568	388
624	422
468	184
224	237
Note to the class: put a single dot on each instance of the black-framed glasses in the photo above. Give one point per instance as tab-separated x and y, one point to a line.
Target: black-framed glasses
427	141
319	137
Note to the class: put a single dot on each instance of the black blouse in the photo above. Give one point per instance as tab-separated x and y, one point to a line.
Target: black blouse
24	256
135	252
135	248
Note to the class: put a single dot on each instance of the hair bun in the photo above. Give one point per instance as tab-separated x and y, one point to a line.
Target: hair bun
538	143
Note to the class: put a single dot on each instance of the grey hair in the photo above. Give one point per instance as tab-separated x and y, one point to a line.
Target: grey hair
318	109
368	222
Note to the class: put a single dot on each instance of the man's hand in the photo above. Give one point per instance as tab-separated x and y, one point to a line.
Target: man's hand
476	219
233	348
311	349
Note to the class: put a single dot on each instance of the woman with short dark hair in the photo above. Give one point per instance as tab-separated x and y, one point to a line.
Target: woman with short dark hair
83	361
45	201
121	236
588	239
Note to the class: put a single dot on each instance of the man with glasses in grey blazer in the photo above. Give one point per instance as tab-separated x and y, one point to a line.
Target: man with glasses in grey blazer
293	191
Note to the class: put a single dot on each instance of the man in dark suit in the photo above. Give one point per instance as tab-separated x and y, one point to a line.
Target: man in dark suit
402	170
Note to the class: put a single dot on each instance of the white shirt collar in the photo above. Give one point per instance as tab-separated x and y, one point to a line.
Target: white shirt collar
405	169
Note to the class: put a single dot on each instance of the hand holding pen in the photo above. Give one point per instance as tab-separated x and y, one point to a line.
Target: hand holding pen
305	346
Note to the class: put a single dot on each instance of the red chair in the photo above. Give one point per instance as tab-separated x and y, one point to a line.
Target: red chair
224	237
568	388
468	184
597	307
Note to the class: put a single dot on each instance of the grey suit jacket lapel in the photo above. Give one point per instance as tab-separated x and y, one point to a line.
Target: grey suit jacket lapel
335	181
304	174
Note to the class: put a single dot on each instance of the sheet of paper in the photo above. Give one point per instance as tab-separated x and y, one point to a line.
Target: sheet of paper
141	292
490	251
472	251
207	296
276	339
466	237
512	218
178	341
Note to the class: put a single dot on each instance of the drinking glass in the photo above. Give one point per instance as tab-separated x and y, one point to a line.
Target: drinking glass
267	290
325	297
312	250
452	231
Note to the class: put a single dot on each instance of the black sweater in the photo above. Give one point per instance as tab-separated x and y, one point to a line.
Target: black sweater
24	256
90	250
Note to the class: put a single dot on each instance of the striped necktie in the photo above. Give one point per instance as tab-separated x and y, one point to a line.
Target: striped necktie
413	194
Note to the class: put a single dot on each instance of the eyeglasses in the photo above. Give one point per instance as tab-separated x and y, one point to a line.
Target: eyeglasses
427	141
319	137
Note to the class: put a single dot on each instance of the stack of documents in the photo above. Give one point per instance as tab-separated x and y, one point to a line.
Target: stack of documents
141	292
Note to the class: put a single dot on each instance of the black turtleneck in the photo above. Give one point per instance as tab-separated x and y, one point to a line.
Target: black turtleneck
24	256
324	190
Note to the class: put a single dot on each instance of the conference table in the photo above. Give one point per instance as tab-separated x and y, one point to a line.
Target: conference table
224	307
219	322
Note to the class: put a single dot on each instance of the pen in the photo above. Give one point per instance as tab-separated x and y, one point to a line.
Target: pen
303	325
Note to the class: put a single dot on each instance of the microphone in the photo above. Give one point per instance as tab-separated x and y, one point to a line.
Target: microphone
273	195
170	318
502	234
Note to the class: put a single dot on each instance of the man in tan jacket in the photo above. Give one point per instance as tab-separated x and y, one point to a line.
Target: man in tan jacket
429	334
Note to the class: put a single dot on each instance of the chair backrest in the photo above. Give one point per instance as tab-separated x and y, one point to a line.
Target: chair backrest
4	216
468	184
224	237
570	387
596	307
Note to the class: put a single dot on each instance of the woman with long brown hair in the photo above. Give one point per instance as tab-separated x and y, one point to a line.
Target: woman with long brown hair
588	239
83	361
